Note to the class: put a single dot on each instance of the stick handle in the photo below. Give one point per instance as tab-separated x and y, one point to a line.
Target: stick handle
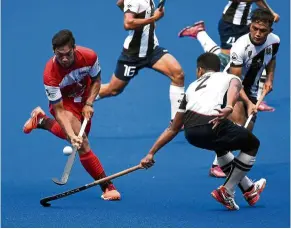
257	105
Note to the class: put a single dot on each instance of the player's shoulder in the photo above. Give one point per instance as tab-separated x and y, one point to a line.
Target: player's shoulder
273	38
88	54
49	65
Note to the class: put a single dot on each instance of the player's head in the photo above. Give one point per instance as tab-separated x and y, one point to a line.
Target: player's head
261	25
64	47
207	62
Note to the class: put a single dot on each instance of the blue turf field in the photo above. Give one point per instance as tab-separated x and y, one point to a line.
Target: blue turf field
176	192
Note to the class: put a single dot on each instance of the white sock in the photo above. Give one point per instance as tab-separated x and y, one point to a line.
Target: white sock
215	162
261	83
242	164
98	98
207	43
176	96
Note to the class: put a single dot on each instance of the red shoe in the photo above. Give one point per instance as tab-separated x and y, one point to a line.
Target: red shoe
223	197
32	122
192	31
253	196
216	172
264	107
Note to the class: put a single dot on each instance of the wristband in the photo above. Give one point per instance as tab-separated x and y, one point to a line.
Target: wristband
89	104
230	107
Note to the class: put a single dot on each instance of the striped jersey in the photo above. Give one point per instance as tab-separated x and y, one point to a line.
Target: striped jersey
253	59
237	13
204	96
141	41
72	84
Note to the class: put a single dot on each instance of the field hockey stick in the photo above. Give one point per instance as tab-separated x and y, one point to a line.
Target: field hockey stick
161	4
71	159
257	105
45	201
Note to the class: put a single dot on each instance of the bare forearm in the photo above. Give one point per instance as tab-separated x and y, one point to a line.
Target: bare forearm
94	90
137	23
120	4
165	138
244	96
64	122
233	92
271	70
264	4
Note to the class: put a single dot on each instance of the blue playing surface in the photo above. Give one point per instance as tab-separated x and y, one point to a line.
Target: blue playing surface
176	191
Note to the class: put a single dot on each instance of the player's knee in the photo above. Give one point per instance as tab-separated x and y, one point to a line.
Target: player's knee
178	77
85	145
254	145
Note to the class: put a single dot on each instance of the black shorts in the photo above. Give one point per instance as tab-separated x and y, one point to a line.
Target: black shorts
127	67
227	136
229	33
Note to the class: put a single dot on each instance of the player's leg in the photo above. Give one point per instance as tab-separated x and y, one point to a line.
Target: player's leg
91	162
126	69
39	120
233	137
166	64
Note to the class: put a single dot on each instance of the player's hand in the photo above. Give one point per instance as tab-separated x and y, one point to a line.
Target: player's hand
276	17
148	161
76	141
222	114
251	108
159	13
268	86
87	112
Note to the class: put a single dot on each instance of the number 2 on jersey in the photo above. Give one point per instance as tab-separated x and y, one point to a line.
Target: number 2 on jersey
202	84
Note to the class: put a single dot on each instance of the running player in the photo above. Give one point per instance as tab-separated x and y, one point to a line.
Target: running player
204	112
141	49
72	79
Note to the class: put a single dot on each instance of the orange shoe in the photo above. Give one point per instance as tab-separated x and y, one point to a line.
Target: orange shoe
226	199
111	195
32	122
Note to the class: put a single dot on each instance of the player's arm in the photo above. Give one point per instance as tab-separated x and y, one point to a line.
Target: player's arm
130	20
265	5
270	70
237	71
169	134
120	4
233	92
95	74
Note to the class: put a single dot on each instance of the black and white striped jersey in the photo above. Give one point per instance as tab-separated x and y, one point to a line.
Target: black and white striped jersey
237	13
204	96
142	41
253	59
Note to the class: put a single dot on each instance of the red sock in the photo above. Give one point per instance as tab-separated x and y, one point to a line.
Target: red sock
53	126
93	166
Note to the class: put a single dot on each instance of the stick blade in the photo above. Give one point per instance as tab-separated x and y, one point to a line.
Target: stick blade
44	203
59	182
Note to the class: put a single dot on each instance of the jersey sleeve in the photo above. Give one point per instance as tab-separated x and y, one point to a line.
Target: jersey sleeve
183	104
95	69
237	55
131	6
52	89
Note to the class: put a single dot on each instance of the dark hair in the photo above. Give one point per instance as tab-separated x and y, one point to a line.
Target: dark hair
209	61
62	38
262	15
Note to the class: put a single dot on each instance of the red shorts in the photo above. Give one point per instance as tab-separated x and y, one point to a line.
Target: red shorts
76	110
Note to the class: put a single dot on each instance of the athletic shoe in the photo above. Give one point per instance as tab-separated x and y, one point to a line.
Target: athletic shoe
216	172
253	196
265	107
192	31
32	122
223	197
111	193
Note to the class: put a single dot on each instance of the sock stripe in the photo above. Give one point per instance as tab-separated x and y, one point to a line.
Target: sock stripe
242	164
214	49
241	168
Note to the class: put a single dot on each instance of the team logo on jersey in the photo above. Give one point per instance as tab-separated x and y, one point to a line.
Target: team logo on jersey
269	51
234	56
129	6
250	53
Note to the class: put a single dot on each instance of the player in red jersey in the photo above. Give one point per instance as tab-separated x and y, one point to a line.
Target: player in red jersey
72	79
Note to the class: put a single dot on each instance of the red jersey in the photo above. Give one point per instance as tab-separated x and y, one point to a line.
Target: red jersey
71	84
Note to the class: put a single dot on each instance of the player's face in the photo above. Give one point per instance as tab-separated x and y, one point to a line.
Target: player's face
259	32
65	55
